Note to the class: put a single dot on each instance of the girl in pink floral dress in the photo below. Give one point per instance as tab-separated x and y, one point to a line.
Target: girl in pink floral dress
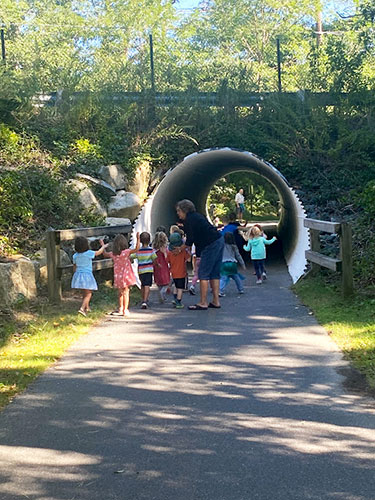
122	270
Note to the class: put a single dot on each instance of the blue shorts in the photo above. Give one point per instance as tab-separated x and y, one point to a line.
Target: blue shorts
211	257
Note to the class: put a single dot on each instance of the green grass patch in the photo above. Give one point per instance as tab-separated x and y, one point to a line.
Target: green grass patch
35	336
350	322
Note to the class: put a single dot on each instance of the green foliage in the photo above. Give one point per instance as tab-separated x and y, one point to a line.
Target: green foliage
364	236
78	45
84	157
33	194
9	140
366	199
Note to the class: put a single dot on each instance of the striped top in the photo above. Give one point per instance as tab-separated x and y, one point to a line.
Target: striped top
146	256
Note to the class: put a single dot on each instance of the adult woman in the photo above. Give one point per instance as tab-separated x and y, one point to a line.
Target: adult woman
209	245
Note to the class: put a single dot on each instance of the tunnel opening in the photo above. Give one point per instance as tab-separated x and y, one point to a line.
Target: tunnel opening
261	200
194	177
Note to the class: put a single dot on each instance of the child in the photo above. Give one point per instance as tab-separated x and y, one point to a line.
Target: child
123	273
162	276
177	258
257	244
175	229
262	233
83	277
229	267
196	260
146	257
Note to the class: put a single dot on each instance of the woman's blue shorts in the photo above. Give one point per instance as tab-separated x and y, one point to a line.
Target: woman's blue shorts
211	257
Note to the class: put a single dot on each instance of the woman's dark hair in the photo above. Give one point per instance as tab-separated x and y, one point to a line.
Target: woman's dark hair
120	243
81	244
229	238
186	206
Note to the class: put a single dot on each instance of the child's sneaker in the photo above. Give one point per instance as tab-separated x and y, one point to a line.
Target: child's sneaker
179	305
174	302
144	305
264	276
221	294
192	290
259	281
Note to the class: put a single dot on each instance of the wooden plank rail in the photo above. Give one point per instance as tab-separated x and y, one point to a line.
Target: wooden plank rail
323	260
71	234
97	265
53	240
320	225
345	263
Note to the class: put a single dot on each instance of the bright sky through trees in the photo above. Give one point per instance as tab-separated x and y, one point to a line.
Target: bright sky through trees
341	6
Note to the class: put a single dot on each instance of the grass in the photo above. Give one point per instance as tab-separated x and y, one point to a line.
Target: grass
36	335
350	322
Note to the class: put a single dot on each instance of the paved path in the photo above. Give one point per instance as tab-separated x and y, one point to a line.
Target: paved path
244	403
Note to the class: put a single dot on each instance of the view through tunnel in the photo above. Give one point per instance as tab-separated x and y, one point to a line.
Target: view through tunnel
195	176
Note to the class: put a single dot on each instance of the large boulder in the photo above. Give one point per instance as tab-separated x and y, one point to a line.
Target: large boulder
87	198
105	188
114	175
40	264
141	181
17	280
124	204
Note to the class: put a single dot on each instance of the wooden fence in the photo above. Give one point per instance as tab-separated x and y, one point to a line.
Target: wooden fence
345	263
53	241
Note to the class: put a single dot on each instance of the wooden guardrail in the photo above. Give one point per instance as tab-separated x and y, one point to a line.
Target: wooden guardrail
53	241
345	263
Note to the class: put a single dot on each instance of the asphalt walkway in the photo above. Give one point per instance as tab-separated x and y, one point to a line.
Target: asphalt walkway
242	403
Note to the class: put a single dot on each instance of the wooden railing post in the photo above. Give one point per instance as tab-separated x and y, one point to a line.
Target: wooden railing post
345	263
315	247
347	259
53	261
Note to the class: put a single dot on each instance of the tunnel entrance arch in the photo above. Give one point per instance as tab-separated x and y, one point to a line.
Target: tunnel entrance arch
197	173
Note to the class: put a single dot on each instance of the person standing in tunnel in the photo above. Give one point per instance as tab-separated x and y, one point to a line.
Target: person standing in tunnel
209	242
240	203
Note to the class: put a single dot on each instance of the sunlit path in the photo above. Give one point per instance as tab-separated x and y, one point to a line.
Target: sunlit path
240	403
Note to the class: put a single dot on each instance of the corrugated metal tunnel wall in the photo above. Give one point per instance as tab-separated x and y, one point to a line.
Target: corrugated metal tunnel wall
193	179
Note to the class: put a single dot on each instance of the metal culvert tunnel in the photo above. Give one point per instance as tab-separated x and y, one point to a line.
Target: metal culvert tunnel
193	179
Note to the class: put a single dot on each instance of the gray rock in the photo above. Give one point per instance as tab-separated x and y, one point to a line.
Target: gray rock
141	181
124	204
17	279
87	198
117	221
114	175
104	186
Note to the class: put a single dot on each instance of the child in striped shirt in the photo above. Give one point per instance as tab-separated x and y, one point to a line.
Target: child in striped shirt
145	256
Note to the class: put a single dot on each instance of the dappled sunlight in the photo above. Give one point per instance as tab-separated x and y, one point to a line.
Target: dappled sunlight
176	451
310	437
172	403
38	466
